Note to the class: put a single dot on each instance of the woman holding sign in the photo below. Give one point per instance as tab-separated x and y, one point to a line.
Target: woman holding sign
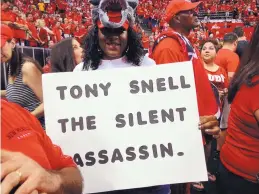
113	43
116	45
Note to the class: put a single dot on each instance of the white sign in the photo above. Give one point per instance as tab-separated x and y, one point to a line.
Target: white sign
127	127
46	1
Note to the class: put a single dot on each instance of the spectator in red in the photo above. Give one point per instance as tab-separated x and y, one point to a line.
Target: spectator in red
47	67
30	163
226	57
57	32
175	47
34	37
239	171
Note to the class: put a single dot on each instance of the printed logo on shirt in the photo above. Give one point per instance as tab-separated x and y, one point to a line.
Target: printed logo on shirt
19	133
216	78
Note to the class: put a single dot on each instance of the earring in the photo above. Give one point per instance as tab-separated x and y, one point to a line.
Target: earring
99	51
127	50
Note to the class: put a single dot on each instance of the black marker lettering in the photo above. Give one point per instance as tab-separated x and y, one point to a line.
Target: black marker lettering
120	121
116	156
79	123
131	154
103	155
61	90
63	123
161	84
91	90
183	84
134	87
76	92
166	150
181	113
105	88
89	156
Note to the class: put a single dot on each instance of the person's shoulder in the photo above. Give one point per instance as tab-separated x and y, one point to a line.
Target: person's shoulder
30	66
147	61
79	67
167	43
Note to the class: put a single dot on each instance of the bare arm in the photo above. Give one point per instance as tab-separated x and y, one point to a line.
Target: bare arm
257	116
32	78
70	181
3	93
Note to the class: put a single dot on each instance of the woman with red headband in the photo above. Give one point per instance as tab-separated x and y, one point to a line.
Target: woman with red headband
24	77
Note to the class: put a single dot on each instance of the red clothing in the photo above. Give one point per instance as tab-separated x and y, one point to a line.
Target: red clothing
43	35
22	132
57	33
20	33
219	78
172	50
240	153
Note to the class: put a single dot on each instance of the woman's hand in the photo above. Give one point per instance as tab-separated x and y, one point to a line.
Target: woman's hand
209	125
18	169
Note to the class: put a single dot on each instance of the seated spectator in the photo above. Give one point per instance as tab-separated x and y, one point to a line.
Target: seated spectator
24	76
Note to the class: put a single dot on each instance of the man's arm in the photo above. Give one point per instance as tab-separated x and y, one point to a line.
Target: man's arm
18	169
71	181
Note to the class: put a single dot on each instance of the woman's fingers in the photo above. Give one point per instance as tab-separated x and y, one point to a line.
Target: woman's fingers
214	131
9	182
208	122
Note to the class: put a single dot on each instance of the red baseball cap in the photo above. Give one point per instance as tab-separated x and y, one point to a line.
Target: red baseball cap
175	6
114	17
6	34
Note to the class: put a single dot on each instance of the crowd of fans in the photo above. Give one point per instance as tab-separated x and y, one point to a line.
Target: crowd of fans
225	65
40	24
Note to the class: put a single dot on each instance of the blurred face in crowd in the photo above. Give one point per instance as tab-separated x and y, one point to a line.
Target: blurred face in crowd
78	51
51	43
30	18
208	52
6	50
188	19
5	6
76	23
15	10
58	24
113	42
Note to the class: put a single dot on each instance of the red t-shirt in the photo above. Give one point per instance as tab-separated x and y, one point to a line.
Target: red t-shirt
227	59
240	153
219	78
22	132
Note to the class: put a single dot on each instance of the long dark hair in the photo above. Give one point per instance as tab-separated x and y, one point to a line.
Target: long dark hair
94	54
16	61
62	56
248	68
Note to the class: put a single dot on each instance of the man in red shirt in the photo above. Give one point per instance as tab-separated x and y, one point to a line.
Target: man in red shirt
172	46
226	57
30	163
